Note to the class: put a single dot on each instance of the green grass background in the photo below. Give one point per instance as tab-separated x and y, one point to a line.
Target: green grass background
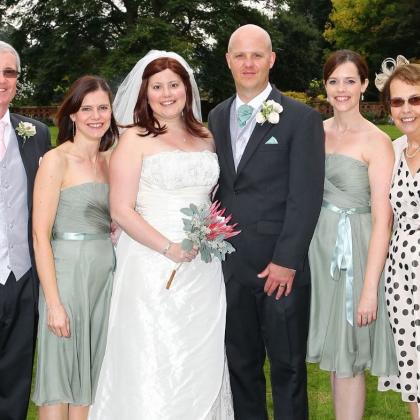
379	405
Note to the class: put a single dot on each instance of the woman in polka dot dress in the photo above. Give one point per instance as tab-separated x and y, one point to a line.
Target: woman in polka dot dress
401	95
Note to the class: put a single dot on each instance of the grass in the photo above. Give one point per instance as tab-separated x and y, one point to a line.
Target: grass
379	405
53	132
391	130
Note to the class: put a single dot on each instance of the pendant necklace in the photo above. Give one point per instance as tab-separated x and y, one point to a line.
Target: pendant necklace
416	149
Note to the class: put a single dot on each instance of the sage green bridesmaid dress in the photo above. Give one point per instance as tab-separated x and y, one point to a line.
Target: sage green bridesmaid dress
338	256
68	368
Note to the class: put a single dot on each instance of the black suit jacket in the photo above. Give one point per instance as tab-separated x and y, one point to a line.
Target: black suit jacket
31	151
276	193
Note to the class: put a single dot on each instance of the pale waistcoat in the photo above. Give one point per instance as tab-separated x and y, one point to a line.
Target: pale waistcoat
14	247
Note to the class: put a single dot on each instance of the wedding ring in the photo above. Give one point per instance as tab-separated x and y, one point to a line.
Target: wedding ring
282	285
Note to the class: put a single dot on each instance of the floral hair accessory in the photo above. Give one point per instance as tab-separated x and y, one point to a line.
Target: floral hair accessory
388	67
26	130
270	111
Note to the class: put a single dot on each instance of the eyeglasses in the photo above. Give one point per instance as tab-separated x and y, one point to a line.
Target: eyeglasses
10	73
399	102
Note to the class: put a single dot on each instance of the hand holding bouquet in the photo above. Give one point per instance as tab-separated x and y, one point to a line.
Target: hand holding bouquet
207	228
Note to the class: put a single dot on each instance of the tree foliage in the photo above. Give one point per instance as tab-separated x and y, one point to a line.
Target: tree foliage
376	28
60	40
298	53
316	10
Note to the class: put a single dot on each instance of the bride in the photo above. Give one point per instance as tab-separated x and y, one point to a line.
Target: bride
165	357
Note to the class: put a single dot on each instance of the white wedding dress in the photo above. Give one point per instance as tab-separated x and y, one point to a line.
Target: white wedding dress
165	357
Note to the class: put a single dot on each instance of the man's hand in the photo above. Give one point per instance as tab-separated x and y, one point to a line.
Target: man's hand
278	279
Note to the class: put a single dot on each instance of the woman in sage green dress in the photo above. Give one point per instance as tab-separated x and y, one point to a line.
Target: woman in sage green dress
74	252
349	330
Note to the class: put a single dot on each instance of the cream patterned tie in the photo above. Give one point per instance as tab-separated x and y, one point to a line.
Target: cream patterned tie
2	144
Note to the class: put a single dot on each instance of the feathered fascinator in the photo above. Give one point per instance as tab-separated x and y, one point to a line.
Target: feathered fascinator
388	67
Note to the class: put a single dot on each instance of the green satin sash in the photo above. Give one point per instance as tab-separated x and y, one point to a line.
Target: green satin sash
70	236
342	258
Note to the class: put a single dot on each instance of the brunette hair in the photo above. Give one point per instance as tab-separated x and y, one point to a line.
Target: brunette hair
72	103
143	114
407	73
343	56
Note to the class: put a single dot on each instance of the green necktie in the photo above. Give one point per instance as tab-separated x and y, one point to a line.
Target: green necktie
244	114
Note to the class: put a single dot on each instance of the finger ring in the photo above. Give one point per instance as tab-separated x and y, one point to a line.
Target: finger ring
282	285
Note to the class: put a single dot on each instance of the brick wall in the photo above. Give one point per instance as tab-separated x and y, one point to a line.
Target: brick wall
48	112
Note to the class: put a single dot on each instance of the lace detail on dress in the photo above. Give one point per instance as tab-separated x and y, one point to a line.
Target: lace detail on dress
222	408
176	169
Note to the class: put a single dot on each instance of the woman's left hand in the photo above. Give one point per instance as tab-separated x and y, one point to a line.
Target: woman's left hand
366	311
115	232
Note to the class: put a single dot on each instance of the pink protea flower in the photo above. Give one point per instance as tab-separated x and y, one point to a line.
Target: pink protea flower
218	224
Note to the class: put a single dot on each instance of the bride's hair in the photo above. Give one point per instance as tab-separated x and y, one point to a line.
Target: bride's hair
143	114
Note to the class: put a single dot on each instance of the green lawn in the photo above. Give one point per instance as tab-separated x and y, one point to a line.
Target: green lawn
53	132
391	130
379	405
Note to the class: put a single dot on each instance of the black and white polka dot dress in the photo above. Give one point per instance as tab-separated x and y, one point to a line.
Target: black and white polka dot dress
402	283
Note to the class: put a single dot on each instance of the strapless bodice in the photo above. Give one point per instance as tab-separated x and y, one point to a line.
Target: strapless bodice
83	208
346	181
171	180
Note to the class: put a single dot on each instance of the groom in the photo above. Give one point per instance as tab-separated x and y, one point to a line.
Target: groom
20	152
271	181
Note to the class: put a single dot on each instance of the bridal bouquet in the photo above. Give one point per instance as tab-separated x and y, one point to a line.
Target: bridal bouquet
207	228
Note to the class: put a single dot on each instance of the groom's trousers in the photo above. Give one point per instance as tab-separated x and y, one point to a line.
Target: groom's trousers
257	325
17	337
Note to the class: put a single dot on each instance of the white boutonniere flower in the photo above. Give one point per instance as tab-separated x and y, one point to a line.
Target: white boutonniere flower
270	111
26	130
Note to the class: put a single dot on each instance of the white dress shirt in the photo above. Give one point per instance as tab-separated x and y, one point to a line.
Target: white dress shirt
240	136
8	127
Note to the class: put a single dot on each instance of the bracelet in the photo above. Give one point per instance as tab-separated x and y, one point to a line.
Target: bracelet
166	249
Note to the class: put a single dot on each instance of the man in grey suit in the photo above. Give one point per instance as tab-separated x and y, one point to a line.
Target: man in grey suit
23	142
271	155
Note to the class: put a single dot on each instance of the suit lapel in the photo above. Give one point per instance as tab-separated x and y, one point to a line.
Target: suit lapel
27	158
15	121
225	143
260	132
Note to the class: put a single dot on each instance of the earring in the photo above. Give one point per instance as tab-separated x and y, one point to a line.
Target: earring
363	97
74	129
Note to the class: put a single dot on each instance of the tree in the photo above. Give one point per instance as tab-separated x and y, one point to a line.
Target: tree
316	10
376	28
299	51
61	40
